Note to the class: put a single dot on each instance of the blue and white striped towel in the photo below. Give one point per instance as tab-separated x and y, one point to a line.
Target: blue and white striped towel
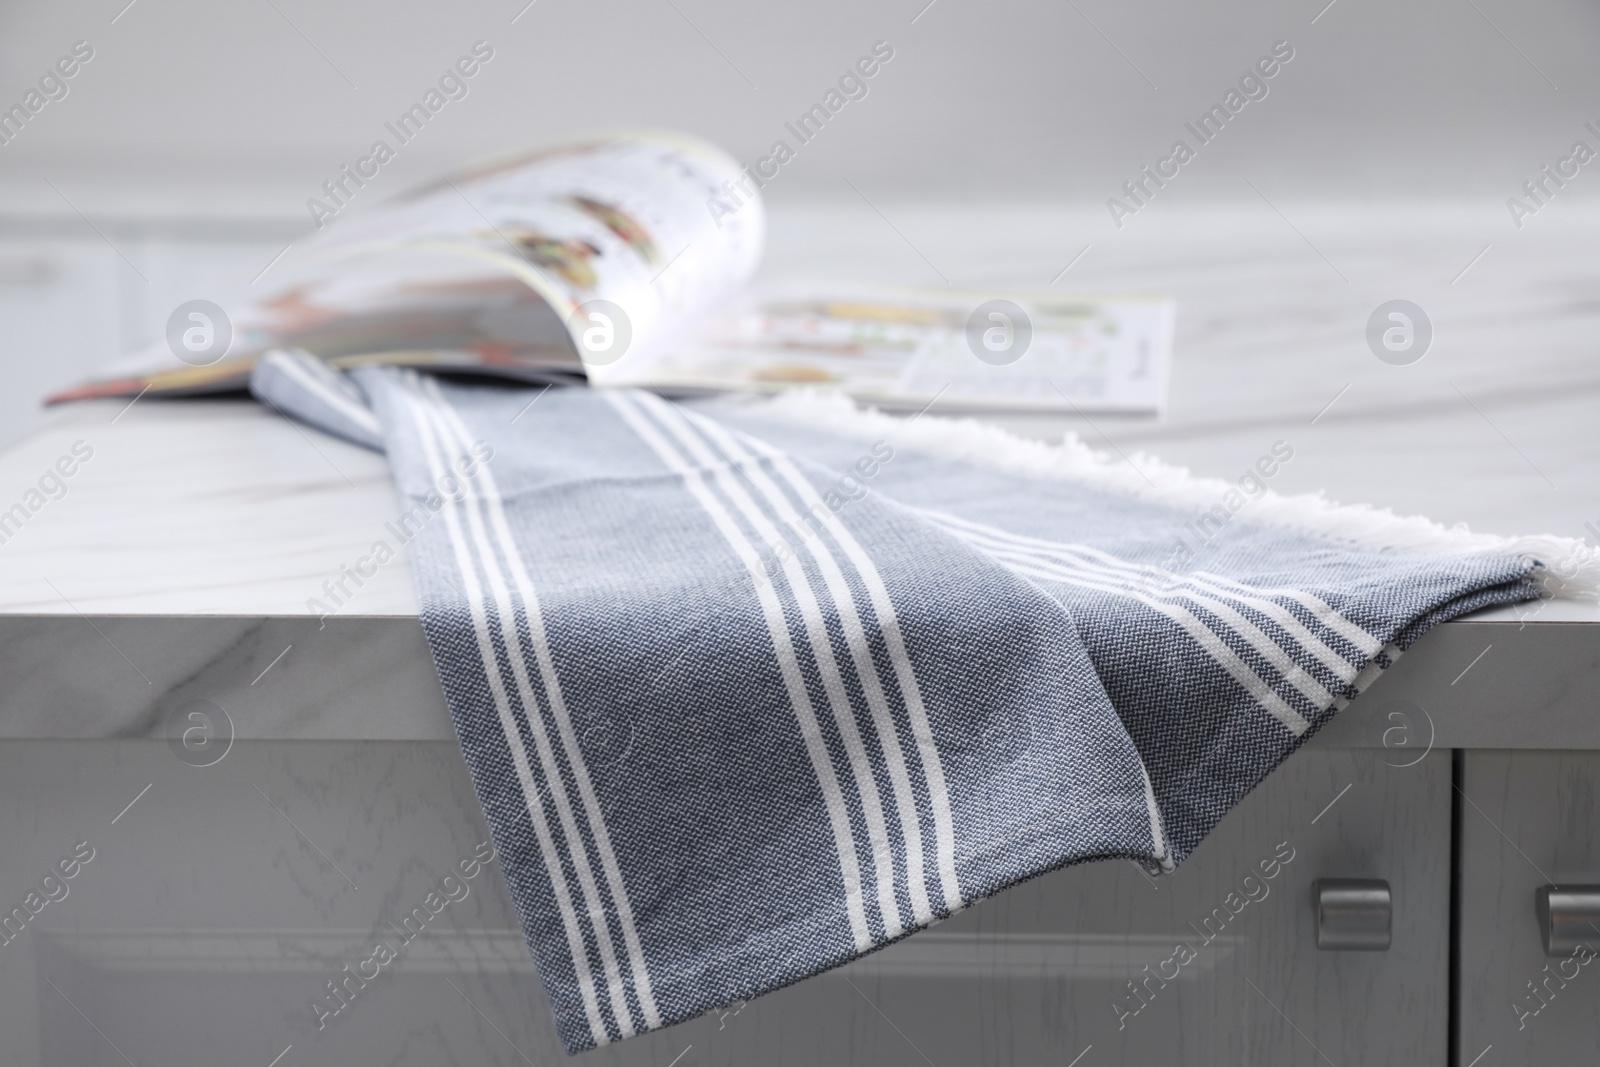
749	690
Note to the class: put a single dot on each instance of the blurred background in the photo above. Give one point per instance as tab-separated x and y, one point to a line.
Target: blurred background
266	97
1379	164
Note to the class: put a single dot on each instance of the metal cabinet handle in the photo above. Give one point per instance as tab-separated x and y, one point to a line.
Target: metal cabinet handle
1568	915
1353	914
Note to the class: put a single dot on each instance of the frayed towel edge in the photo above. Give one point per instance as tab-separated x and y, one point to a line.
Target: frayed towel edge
1567	567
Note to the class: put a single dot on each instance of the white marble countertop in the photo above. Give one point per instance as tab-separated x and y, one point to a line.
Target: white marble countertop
218	520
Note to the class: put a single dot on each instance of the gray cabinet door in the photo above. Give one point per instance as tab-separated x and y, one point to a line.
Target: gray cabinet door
1529	819
1081	962
223	899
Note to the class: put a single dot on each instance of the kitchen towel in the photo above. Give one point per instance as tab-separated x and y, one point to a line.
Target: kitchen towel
748	689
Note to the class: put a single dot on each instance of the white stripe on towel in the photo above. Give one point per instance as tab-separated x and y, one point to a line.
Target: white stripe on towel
817	639
558	706
1256	597
508	726
292	362
860	653
1314	691
788	662
889	626
577	851
1203	635
1157	838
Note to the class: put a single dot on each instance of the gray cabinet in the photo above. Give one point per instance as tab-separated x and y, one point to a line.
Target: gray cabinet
1529	819
220	900
1042	973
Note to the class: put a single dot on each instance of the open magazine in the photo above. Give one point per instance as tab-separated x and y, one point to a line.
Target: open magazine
623	261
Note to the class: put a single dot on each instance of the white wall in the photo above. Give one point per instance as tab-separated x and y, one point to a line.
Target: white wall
1014	96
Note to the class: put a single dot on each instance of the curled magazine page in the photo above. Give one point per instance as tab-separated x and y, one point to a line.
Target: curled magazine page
550	265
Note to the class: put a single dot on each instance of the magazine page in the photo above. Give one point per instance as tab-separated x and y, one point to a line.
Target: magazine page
538	265
906	348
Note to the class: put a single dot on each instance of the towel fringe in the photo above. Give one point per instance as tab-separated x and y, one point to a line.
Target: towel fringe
1566	567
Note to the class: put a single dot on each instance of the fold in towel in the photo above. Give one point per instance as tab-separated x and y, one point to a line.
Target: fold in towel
748	690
